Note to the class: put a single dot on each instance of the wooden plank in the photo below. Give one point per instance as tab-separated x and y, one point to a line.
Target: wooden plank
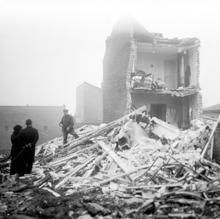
146	171
156	186
74	171
122	175
211	149
210	163
164	130
210	138
66	158
95	164
56	194
115	157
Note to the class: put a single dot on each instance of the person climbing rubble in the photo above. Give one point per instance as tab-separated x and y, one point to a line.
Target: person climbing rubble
67	124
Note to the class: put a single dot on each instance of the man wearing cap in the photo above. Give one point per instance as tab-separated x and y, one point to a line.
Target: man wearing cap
29	137
67	124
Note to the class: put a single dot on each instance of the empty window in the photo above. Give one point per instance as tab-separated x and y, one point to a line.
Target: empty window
6	128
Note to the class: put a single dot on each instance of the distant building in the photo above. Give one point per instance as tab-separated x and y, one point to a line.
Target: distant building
45	119
88	104
212	111
144	68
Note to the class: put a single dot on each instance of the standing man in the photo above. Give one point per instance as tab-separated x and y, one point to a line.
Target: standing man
17	156
67	124
29	137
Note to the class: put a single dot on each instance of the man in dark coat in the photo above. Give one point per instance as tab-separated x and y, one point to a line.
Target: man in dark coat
29	137
17	155
67	124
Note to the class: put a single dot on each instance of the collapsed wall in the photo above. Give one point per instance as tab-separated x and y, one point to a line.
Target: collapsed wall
142	68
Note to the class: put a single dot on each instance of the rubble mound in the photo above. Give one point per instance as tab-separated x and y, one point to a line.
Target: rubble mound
129	168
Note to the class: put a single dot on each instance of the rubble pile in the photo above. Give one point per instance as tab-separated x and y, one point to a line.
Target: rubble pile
128	168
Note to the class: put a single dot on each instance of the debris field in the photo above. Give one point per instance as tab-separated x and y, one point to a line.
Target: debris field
134	167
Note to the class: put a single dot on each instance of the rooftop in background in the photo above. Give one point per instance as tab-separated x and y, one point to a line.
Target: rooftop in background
45	119
88	85
215	107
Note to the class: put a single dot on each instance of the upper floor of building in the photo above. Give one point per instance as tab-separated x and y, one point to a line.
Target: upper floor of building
154	63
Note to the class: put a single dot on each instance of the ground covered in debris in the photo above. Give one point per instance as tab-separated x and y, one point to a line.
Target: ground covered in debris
134	167
36	203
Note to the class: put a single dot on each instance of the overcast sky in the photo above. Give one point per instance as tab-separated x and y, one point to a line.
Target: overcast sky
47	48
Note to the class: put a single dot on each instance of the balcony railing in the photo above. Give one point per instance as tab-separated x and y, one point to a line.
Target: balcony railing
140	82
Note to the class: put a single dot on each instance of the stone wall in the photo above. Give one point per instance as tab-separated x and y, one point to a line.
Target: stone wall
45	119
115	68
130	69
193	55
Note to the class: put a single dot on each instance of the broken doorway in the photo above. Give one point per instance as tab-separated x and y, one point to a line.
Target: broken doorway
159	111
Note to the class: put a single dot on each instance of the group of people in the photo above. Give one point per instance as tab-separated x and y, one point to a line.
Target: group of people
23	148
24	141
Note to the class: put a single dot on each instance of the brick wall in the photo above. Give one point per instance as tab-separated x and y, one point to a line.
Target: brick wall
130	69
193	55
115	67
45	119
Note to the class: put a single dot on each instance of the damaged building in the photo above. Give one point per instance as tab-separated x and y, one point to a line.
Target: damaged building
143	68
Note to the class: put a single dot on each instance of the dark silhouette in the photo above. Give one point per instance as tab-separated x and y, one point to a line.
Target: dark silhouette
29	137
17	155
67	124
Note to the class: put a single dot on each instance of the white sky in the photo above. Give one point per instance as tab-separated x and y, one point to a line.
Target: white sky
47	48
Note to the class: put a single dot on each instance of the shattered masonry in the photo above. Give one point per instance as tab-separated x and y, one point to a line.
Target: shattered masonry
123	169
171	92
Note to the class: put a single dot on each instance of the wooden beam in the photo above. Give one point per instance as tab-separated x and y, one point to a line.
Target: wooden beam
56	194
210	138
74	171
115	157
122	175
68	157
102	130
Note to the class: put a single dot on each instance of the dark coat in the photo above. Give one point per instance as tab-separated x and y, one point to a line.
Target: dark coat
29	135
17	155
16	144
67	122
